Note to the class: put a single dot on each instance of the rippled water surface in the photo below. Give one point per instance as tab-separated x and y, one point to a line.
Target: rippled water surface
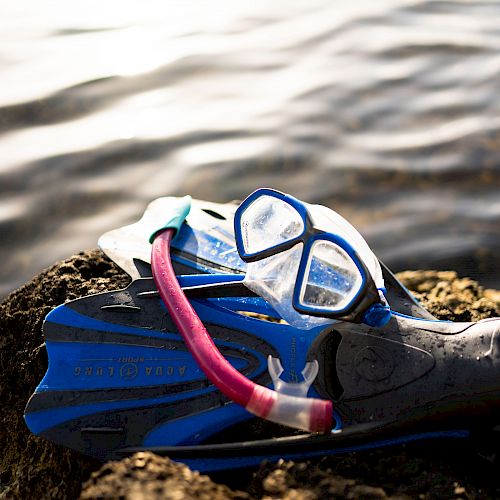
386	111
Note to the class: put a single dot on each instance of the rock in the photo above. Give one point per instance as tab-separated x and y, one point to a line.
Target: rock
148	476
289	480
447	296
31	467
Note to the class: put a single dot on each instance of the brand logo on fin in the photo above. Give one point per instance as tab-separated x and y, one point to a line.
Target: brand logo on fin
129	370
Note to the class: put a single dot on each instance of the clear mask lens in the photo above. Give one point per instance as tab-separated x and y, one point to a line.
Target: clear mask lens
274	279
331	279
268	222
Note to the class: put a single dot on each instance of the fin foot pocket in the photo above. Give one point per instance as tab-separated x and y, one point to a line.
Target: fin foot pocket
325	350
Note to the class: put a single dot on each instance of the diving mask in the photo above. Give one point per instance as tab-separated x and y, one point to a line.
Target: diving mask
308	262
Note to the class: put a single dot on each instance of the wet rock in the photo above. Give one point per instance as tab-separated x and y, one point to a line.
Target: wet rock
289	480
148	476
31	467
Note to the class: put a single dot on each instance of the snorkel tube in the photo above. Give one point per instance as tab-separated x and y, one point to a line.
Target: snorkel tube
310	414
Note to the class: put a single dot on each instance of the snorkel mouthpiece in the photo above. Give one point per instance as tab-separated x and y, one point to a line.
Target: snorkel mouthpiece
308	414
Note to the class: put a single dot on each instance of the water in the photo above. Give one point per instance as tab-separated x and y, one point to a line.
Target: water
386	111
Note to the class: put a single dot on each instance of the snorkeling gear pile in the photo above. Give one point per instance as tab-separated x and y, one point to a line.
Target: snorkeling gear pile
274	308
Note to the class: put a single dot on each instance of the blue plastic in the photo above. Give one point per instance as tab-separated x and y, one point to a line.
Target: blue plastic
377	315
75	366
208	279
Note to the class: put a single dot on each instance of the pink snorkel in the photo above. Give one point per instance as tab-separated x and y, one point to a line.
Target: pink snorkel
314	415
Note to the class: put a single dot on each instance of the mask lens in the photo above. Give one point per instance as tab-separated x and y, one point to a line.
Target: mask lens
332	278
268	222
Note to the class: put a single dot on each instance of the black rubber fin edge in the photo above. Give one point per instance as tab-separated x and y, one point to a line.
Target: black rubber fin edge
376	434
400	299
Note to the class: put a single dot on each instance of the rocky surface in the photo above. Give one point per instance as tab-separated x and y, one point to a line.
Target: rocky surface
447	296
148	476
33	468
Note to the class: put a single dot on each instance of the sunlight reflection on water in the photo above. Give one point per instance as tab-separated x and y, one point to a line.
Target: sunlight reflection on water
386	111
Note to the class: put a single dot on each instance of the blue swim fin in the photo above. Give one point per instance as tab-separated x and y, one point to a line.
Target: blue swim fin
120	378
